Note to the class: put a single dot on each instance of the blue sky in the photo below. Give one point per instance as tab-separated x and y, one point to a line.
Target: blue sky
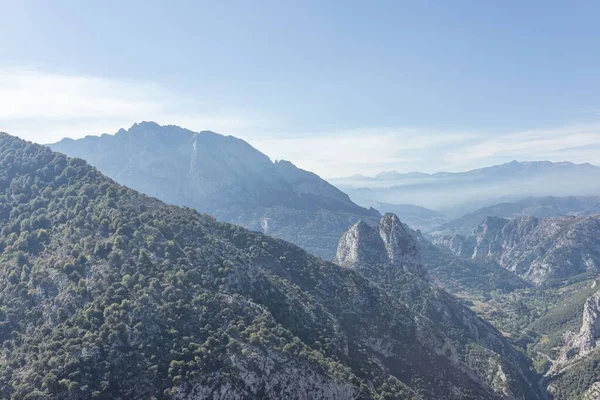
338	87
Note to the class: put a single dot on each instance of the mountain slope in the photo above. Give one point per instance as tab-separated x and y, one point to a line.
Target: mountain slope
389	255
106	293
540	207
225	177
543	251
456	194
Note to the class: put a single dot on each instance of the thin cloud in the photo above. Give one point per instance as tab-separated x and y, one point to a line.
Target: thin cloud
45	107
370	151
365	151
542	144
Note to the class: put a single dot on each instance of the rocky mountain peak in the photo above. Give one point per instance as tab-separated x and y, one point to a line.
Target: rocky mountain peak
399	244
360	243
390	242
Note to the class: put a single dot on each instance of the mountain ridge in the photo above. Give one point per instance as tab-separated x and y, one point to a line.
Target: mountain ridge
226	177
456	194
548	206
386	175
541	250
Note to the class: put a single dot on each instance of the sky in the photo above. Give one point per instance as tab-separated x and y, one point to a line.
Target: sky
337	87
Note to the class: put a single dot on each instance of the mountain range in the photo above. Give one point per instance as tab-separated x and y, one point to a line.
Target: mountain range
109	293
224	177
456	194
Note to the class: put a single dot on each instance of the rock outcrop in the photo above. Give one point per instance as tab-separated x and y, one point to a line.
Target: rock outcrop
573	374
389	241
579	344
593	393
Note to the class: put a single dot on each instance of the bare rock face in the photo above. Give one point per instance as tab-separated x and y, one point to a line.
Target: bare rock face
398	242
361	242
496	235
579	344
593	393
538	250
388	242
458	244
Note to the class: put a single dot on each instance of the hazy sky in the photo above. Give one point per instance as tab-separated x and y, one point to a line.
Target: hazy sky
337	87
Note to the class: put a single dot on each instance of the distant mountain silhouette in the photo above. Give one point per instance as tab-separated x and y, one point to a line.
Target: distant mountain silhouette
456	194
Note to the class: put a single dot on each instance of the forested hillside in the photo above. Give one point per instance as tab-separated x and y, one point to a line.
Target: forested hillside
109	294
